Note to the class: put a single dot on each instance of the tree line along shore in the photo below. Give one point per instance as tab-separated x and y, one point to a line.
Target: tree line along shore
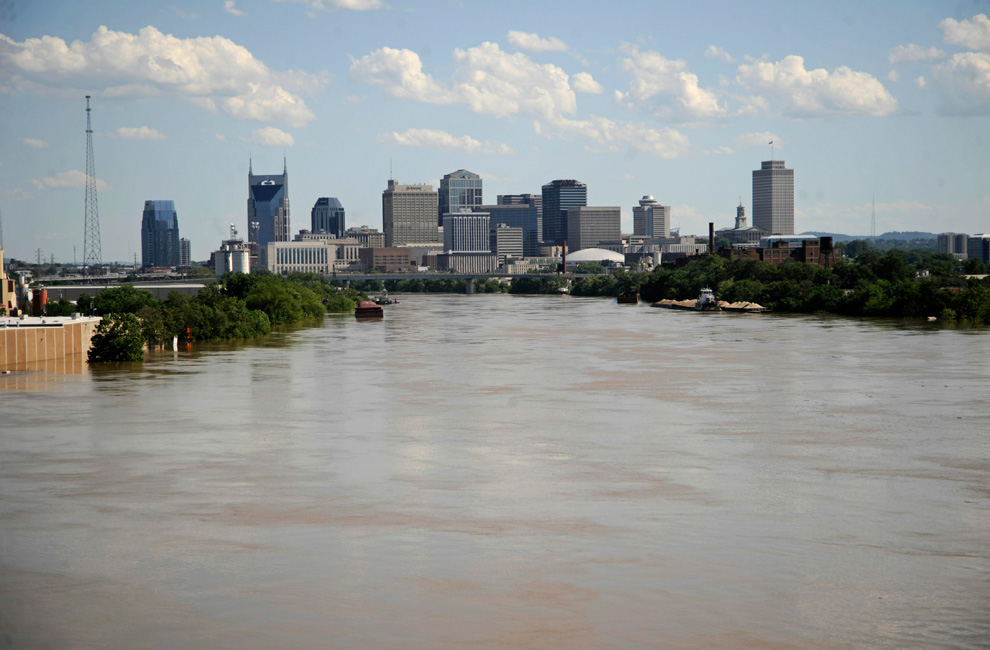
896	284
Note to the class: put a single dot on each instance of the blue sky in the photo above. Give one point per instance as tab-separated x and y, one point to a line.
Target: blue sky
678	100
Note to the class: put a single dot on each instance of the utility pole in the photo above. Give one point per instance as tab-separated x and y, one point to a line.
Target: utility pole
92	253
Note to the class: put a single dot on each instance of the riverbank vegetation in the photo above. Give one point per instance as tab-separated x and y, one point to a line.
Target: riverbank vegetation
899	283
240	306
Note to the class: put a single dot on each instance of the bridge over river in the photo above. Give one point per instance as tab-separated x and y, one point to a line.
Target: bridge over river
190	288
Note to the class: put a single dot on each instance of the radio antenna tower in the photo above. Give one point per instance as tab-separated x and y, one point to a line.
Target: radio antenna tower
92	255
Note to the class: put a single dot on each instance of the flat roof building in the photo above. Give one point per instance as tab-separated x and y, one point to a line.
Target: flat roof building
773	198
409	215
589	226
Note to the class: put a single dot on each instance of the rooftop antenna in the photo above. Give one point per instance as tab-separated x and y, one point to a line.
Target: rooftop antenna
873	223
250	165
390	177
92	255
285	167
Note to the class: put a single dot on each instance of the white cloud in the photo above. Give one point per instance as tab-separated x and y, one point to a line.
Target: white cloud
718	151
269	136
667	90
893	76
17	194
533	42
973	34
585	83
191	15
964	84
443	140
229	7
351	5
912	53
633	137
715	52
137	133
920	81
37	144
72	178
212	72
759	139
489	81
816	93
220	137
486	80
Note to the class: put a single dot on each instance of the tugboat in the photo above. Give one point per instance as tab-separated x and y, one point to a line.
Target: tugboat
706	301
384	299
368	309
628	298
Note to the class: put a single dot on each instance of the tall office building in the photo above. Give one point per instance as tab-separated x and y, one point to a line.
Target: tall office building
159	234
506	242
650	219
589	226
267	211
466	232
327	217
518	215
955	244
773	198
184	252
458	192
409	215
558	196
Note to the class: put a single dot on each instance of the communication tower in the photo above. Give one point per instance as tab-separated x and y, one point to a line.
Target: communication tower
92	255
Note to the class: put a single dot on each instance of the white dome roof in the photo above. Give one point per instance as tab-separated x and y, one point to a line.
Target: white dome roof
594	255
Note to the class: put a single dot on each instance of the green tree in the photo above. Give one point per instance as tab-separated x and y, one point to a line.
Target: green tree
61	307
340	303
122	300
117	338
593	268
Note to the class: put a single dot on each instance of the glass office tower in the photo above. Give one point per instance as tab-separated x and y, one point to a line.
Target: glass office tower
459	191
557	197
159	234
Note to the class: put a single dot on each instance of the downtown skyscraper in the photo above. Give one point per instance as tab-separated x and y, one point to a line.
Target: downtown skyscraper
773	198
557	197
159	235
459	191
267	211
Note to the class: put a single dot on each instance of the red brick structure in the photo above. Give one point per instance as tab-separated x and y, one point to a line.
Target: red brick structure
820	252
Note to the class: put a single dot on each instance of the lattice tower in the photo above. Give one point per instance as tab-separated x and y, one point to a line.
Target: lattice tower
92	255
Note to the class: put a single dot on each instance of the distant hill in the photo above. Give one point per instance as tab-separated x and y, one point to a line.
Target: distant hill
896	236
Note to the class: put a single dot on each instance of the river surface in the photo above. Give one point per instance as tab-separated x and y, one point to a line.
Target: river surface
497	471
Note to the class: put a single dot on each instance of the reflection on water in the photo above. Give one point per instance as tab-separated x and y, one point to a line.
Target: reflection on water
504	471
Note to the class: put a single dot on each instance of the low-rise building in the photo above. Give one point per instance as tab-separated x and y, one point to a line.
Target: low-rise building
367	237
386	260
811	250
467	262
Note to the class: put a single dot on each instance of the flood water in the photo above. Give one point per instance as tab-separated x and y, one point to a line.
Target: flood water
498	471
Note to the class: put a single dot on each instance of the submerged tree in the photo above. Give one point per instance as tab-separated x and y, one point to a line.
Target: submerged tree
118	338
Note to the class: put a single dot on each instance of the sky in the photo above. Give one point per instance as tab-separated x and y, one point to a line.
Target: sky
678	100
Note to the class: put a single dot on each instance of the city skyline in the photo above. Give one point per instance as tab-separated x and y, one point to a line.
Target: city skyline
890	98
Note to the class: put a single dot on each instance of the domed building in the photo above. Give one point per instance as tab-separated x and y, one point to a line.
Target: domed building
594	255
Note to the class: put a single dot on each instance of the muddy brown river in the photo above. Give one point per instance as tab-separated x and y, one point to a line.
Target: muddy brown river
498	471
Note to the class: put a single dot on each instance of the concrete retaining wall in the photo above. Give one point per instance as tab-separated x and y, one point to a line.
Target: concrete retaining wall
30	341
